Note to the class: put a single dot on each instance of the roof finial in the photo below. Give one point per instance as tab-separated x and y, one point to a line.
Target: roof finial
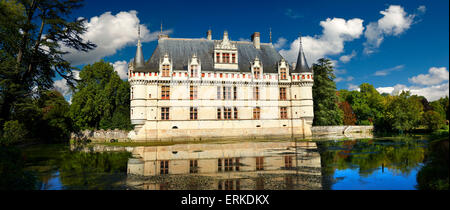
270	35
161	27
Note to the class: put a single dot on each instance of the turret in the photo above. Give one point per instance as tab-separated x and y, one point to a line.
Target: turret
139	58
301	65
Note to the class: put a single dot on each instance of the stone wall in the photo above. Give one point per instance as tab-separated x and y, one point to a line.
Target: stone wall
102	135
342	131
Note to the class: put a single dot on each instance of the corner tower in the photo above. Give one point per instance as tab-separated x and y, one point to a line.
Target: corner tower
304	103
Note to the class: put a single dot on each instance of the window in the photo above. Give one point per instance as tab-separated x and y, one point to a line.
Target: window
283	113
237	164
233	57
164	167
219	93
219	114
164	113
228	164
194	71
166	70
165	92
194	113
288	161
283	93
259	163
219	165
227	113
226	93
283	73
218	57
256	93
256	113
256	72
193	92
193	166
226	57
234	93
235	113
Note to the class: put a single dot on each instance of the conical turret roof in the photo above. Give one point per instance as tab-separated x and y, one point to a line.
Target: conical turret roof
139	58
302	64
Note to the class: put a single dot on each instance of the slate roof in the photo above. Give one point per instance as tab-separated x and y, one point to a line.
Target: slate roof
181	51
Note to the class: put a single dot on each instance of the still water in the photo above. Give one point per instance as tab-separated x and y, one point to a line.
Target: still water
368	164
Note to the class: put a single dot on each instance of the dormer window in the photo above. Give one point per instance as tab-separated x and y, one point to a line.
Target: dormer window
218	57
233	57
226	58
283	73
166	70
256	72
194	71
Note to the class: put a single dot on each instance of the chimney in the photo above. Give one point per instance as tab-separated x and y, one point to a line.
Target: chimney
209	35
163	36
256	39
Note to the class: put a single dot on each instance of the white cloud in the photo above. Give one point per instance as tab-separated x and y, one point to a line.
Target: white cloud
335	32
353	87
395	21
340	71
422	9
62	87
432	93
280	43
344	79
121	67
435	76
110	33
386	72
347	58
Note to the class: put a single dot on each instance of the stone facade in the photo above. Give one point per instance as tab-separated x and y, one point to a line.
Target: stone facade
215	93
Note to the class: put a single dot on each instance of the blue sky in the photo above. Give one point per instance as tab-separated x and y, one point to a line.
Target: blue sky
413	53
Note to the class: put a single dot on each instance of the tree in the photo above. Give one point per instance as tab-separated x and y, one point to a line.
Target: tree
349	116
101	99
433	120
403	113
35	35
326	110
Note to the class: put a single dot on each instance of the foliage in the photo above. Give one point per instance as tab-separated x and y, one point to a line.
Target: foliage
367	104
13	132
35	36
326	110
349	115
101	99
433	120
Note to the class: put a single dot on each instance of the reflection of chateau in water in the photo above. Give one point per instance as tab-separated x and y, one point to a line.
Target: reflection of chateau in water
237	166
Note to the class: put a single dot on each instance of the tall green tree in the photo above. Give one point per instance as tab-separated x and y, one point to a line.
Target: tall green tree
101	99
35	35
326	110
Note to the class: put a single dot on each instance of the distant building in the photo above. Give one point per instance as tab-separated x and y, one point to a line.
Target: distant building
205	88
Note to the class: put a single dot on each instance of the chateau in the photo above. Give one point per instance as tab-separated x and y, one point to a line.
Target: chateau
205	88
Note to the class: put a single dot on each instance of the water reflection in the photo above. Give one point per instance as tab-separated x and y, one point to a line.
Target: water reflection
237	166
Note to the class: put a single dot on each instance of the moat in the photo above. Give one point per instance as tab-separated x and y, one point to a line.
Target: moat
366	164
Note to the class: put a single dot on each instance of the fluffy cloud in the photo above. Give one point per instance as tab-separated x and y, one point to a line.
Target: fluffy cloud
353	87
432	86
121	67
432	93
386	72
422	9
62	86
280	43
435	76
395	21
347	58
110	33
335	32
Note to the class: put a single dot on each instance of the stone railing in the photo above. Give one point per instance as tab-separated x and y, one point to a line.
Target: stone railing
101	135
351	131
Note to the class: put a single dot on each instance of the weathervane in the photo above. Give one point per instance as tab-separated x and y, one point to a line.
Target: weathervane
270	35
